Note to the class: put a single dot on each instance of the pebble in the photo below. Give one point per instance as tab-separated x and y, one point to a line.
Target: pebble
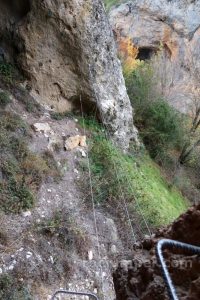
82	153
26	213
90	255
28	255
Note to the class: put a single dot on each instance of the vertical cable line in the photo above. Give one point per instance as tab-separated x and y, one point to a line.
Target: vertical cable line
110	138
121	190
124	204
129	183
93	202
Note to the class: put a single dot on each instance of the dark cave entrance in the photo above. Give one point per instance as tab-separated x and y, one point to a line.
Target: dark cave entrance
17	8
145	53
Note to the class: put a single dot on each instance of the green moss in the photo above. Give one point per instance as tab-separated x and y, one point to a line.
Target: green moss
139	178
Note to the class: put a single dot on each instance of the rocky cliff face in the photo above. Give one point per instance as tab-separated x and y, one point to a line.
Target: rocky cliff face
142	279
170	26
66	49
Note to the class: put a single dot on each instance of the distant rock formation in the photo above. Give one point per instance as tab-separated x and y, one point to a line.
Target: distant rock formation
66	49
171	26
141	278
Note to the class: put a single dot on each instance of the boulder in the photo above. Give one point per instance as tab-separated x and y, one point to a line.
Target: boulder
67	50
42	127
74	141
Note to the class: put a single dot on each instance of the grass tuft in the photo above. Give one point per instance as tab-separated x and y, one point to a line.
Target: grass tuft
21	171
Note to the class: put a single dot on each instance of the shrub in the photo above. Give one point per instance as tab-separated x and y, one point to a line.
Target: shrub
161	127
139	85
9	72
6	70
22	171
4	99
10	289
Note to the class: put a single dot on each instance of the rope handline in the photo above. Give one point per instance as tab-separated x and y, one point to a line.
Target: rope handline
92	197
117	176
128	181
109	138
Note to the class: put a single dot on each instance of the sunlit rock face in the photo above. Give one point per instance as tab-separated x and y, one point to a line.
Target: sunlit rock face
67	50
172	27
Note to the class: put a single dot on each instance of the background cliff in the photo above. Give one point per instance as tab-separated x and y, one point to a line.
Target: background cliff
171	27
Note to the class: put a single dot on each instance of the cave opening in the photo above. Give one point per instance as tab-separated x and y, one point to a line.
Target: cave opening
145	53
17	8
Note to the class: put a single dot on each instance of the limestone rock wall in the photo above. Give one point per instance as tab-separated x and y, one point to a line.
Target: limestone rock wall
66	49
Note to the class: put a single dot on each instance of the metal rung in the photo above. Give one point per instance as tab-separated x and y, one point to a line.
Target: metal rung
90	295
166	243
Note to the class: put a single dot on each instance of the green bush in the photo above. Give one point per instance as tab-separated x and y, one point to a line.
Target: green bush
140	88
10	289
4	99
161	127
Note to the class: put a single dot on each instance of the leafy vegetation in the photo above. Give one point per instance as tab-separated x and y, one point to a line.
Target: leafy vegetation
21	170
10	289
4	99
110	3
161	127
9	72
136	177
